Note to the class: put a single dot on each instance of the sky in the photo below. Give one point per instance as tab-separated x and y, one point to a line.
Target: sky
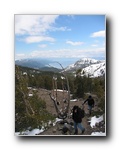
60	37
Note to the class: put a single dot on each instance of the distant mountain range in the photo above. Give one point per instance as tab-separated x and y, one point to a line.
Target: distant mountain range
35	63
88	66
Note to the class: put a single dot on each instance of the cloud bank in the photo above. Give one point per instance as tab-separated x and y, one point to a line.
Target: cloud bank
66	53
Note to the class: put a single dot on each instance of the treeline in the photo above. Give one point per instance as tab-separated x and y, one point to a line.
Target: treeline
40	79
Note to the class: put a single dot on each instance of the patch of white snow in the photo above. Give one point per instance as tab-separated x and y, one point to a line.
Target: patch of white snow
98	134
95	120
73	100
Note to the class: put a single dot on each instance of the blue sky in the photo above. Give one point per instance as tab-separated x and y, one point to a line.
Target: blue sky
60	37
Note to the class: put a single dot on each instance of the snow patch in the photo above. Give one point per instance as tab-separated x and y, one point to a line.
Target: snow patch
29	88
36	131
30	94
94	70
73	100
30	133
56	120
95	120
98	134
59	90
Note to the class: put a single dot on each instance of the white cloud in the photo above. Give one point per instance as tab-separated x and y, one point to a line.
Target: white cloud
20	56
42	45
36	39
98	34
60	29
74	43
94	45
64	53
104	44
68	53
33	24
36	24
36	27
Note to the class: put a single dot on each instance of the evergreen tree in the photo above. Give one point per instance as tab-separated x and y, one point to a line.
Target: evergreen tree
79	86
29	111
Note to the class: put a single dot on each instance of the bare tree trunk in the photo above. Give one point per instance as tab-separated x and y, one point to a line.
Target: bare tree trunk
65	111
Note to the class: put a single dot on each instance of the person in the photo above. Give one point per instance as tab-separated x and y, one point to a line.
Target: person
90	102
77	118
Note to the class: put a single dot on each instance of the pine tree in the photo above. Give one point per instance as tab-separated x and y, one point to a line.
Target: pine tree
79	87
29	111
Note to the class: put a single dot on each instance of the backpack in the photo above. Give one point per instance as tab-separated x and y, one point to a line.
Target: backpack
91	102
82	113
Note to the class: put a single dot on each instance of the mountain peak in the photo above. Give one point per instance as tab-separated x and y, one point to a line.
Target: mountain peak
89	66
87	61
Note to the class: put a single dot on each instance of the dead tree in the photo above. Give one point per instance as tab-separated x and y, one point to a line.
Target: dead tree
62	103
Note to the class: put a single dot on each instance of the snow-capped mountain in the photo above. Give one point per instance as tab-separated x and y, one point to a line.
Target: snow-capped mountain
94	70
82	63
91	67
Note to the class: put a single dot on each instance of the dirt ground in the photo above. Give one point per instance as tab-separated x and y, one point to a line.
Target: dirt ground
56	130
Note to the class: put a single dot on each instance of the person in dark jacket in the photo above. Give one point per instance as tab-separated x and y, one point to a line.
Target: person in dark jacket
76	116
90	102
